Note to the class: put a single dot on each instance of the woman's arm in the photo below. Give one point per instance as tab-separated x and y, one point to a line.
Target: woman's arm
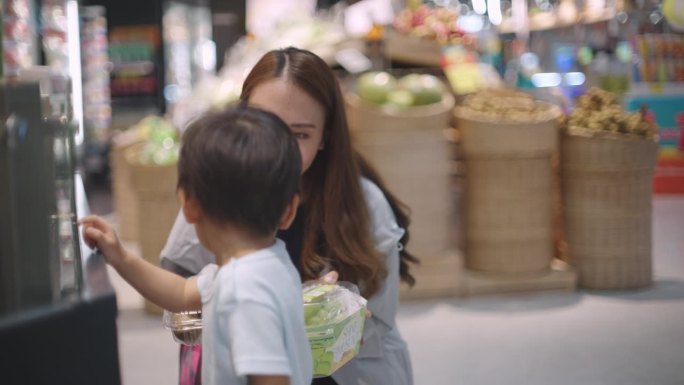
384	303
183	254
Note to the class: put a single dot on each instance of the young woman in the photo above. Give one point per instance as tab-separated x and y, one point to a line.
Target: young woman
348	221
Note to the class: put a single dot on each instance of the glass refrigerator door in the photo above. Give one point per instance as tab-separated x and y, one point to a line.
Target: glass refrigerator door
189	51
50	317
64	228
58	118
39	243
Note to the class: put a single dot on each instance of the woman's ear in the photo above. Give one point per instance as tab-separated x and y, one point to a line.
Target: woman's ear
190	207
290	213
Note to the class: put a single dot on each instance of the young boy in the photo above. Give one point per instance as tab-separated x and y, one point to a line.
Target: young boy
238	178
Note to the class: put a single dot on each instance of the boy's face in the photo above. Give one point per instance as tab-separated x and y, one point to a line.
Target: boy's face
303	114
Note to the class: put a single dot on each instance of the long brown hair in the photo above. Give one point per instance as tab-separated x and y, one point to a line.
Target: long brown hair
222	168
337	222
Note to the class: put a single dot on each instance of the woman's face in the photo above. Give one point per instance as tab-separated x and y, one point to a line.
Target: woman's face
301	112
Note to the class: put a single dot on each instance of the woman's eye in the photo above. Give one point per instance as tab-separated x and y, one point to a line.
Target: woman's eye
301	135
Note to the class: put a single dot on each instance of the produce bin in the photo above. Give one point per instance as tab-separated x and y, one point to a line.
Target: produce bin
409	150
607	186
412	50
508	198
123	195
158	206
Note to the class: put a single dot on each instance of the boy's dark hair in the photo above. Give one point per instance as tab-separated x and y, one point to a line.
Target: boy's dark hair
242	165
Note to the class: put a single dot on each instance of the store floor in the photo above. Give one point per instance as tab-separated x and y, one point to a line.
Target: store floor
583	337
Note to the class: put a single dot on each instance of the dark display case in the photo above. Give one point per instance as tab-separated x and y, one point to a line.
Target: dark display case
57	308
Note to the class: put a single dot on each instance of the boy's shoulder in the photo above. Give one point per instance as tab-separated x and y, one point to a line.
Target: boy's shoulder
268	269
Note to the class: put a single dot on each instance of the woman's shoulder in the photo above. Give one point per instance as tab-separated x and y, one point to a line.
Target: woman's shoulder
381	214
372	193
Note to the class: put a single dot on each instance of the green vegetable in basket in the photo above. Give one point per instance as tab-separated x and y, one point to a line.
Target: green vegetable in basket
162	147
374	86
425	88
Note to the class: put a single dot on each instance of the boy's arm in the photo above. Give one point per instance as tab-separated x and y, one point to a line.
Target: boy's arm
164	288
268	380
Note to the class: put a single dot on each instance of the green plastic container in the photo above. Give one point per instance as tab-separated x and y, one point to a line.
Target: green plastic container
334	316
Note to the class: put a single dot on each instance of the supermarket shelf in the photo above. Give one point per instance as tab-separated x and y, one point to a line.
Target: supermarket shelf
656	88
546	21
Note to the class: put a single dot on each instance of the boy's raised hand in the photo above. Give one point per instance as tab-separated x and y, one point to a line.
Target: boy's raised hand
99	234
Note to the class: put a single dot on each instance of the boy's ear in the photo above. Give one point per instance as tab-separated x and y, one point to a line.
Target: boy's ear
190	208
289	214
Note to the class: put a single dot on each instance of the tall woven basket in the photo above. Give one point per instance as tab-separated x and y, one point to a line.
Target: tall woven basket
155	191
508	199
123	196
607	185
412	50
412	155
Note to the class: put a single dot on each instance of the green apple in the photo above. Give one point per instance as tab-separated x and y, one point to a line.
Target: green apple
400	98
374	86
426	89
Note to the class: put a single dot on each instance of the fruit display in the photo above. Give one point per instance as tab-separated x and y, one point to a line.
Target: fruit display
504	105
382	88
599	111
334	315
186	326
424	22
162	146
18	36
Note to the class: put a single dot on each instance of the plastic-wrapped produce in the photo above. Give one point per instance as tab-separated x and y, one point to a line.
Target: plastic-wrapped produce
334	317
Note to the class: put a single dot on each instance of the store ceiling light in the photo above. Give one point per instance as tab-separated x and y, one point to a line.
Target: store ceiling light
574	78
470	23
546	79
494	7
479	6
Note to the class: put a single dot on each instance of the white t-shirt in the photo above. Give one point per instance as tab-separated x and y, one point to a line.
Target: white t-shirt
384	357
253	319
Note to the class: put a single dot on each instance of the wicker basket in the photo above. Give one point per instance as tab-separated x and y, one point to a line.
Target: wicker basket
508	199
411	153
411	50
155	191
123	196
607	185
